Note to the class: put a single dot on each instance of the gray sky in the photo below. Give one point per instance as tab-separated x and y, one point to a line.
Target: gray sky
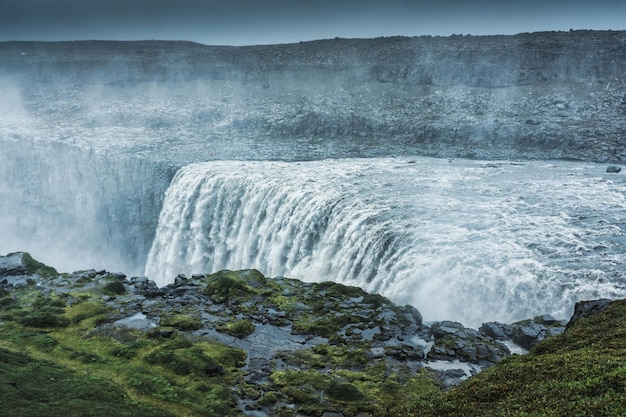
248	22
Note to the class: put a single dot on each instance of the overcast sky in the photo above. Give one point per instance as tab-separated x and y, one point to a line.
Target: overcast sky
248	22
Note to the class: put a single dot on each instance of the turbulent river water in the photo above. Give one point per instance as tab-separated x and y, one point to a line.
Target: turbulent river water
464	240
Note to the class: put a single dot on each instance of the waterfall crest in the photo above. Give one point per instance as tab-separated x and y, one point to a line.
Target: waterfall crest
461	240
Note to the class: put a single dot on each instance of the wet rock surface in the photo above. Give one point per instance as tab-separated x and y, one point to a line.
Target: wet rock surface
525	333
286	328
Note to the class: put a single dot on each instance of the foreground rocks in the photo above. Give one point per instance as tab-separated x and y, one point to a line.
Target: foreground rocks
306	348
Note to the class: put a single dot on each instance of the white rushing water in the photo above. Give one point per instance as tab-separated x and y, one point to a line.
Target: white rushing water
469	241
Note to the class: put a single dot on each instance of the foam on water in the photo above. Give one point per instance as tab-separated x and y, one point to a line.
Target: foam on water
461	240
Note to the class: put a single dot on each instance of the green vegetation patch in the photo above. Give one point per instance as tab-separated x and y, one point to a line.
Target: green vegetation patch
237	328
31	387
36	267
86	310
41	312
115	287
581	372
182	358
182	322
233	284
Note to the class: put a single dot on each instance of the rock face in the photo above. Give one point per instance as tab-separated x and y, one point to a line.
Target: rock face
287	329
540	95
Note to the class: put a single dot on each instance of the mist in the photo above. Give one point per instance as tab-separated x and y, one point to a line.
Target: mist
92	134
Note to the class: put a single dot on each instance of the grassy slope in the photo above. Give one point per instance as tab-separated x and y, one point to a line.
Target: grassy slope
53	361
31	387
580	373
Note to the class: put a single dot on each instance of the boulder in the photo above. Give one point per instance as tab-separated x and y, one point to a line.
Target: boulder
525	333
587	308
13	264
496	330
454	341
613	169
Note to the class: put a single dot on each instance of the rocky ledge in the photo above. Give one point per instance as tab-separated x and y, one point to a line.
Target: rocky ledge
237	342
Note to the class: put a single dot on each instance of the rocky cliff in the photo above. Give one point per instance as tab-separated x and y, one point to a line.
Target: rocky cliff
539	95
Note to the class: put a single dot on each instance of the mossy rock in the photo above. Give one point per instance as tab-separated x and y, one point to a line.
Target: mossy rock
115	287
182	322
226	284
343	391
238	328
325	326
340	291
35	267
375	300
181	358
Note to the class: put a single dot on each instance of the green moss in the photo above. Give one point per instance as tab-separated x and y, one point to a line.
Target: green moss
7	302
238	328
287	378
224	354
414	396
86	310
227	284
220	401
38	339
343	391
304	359
349	356
340	291
182	322
31	387
36	267
181	356
44	319
177	385
115	287
325	326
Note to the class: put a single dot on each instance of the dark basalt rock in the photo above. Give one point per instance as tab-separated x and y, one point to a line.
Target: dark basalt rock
525	333
587	308
455	341
214	369
613	169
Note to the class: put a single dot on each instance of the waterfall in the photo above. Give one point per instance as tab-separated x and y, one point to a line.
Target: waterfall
467	241
275	218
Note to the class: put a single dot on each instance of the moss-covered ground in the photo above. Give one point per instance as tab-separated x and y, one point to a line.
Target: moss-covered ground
56	359
60	354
